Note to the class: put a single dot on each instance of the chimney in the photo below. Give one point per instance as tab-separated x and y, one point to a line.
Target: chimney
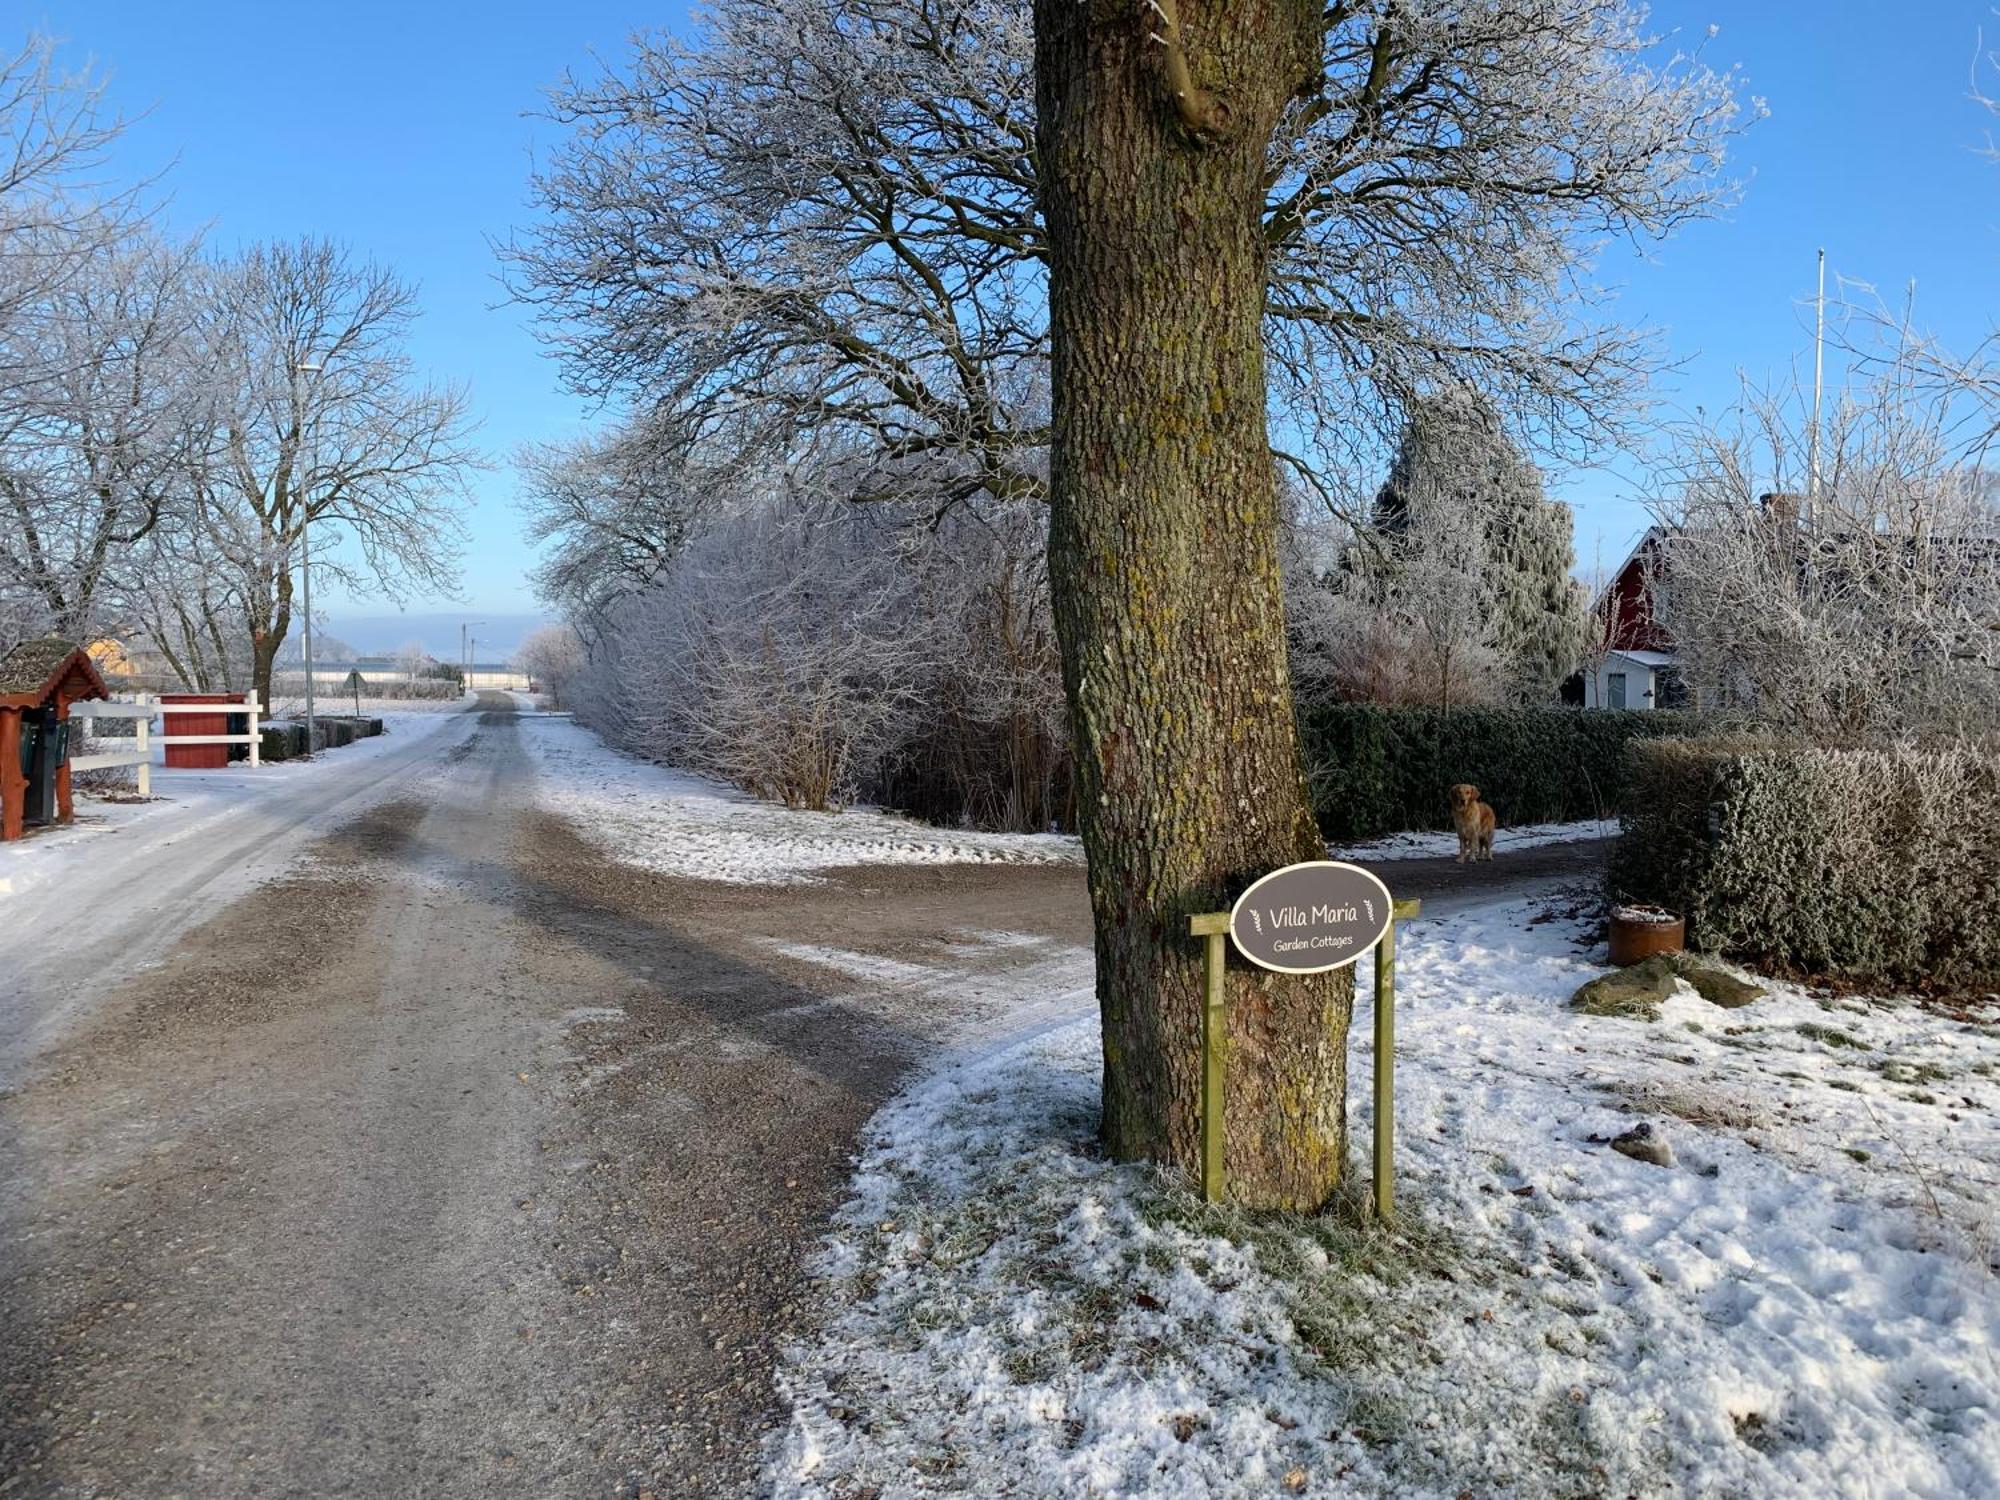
1781	507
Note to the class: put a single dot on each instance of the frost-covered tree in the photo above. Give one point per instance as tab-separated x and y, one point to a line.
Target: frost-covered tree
58	221
856	219
56	212
1464	512
98	436
815	215
1863	606
320	422
554	658
611	510
816	652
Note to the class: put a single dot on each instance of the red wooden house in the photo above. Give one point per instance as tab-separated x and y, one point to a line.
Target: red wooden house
1638	667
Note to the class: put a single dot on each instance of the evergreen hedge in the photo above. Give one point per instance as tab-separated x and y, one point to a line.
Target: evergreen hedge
1878	867
1375	769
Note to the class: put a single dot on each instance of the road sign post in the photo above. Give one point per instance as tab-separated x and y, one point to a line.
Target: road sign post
1303	919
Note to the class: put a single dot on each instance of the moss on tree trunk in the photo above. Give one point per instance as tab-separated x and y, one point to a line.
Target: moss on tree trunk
1163	554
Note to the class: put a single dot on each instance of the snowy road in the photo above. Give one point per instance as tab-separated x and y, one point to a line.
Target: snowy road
82	907
458	1158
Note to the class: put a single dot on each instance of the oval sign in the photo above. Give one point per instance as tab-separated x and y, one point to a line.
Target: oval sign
1306	919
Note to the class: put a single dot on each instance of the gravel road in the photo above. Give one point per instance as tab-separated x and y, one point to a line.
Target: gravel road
459	1161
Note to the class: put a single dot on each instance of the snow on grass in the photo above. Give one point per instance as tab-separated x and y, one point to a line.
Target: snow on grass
680	824
1804	1305
1430	843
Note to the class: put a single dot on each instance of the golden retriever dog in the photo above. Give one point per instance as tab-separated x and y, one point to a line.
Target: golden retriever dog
1474	821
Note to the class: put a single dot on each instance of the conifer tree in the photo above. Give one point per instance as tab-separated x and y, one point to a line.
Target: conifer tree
1459	486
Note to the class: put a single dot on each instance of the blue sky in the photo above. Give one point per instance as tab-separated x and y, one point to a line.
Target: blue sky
402	129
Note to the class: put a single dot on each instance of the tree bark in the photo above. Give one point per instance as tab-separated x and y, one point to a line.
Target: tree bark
1152	132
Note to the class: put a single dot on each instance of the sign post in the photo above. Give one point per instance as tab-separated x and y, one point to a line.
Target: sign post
1213	927
1304	919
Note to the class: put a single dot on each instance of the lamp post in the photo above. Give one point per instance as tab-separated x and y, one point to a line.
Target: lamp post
309	367
466	643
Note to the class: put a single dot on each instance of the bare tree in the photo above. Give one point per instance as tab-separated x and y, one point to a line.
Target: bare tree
411	658
771	656
55	214
613	510
321	422
554	659
821	215
189	609
96	444
1863	606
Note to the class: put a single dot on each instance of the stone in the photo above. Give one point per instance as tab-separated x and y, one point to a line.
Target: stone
1642	1143
1636	993
1716	984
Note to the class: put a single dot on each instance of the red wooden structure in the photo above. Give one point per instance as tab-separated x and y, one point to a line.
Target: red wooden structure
39	680
1626	604
200	757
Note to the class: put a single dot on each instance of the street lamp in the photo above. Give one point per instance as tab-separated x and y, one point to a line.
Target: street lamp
465	646
311	367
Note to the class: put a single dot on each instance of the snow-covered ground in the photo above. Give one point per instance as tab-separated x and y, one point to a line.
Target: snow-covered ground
1429	843
1803	1305
184	802
680	824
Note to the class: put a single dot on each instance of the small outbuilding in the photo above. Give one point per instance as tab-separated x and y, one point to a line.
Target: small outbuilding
39	680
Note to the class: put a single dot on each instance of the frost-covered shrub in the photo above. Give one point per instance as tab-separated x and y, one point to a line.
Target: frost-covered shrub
817	652
1378	769
1873	866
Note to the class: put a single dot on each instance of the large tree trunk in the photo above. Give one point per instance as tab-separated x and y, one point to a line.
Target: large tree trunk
268	637
1164	562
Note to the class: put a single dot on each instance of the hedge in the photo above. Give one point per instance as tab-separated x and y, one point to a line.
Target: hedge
1876	867
1375	769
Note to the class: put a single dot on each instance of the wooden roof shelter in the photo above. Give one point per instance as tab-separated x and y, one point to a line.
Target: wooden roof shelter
41	679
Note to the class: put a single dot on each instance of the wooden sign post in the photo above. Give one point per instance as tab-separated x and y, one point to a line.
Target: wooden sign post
1303	919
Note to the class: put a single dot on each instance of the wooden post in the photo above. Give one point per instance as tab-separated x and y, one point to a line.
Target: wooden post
256	745
65	805
1385	1061
13	785
141	726
1213	926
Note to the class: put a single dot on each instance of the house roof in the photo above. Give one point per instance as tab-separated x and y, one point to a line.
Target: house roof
1649	535
33	670
1648	658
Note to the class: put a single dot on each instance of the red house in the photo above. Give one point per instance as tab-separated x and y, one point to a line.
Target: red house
1637	666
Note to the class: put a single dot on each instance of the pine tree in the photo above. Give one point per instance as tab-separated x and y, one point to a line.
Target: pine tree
1459	486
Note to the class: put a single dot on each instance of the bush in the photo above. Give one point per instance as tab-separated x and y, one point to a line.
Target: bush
1376	769
1869	866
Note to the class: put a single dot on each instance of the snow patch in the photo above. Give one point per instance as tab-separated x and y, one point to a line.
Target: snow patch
1433	843
1804	1306
685	825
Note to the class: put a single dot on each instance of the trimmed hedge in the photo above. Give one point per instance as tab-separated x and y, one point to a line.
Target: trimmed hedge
1876	867
1376	769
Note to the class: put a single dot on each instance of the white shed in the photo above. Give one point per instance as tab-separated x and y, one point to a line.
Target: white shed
1630	679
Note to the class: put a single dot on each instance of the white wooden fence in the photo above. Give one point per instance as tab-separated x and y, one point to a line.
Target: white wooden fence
141	711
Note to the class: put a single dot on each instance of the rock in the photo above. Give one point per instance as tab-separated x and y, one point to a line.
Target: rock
1716	984
1642	1144
1636	993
